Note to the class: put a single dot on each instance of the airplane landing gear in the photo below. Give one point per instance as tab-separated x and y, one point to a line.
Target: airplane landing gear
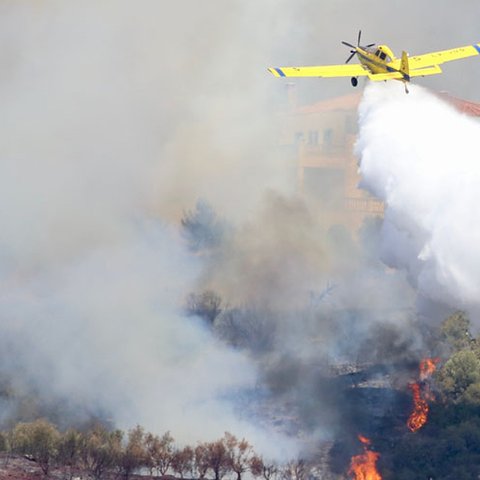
354	81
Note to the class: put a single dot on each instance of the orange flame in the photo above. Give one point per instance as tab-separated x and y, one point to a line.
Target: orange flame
364	466
418	418
427	367
421	393
364	440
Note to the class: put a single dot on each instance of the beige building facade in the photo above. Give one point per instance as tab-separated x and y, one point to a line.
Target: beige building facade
321	138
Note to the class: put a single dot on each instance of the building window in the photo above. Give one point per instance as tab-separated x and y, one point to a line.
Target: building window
327	137
313	137
298	138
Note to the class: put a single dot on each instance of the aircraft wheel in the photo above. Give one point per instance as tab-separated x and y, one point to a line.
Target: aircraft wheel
354	81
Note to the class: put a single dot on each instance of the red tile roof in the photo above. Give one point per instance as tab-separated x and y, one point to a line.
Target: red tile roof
464	106
351	102
346	102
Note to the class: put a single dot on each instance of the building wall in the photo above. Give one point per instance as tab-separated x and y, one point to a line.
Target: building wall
327	170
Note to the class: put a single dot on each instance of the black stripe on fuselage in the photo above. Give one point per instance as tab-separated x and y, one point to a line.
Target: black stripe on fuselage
380	64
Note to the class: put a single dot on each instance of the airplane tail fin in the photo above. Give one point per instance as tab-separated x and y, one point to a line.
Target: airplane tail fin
404	68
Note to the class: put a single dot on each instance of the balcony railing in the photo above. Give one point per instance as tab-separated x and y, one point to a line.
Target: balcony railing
366	205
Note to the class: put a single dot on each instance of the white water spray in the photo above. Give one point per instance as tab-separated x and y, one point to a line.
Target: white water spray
421	156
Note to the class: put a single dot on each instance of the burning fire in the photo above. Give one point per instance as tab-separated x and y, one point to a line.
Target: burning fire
421	393
427	367
418	418
363	466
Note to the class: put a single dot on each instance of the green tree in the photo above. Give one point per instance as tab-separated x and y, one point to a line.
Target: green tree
456	331
101	450
461	373
472	394
450	452
69	449
4	444
40	439
134	454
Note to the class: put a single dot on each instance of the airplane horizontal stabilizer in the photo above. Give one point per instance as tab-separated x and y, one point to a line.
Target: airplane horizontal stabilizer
379	77
421	72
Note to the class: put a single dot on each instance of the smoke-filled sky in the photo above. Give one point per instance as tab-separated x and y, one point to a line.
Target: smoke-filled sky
116	116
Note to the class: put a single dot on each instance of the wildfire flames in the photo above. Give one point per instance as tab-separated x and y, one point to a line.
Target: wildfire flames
421	393
364	466
427	367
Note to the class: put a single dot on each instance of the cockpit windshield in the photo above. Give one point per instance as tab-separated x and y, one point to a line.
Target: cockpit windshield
378	52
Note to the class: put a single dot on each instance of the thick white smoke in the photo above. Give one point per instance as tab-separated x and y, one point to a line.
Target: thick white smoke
421	157
104	333
115	118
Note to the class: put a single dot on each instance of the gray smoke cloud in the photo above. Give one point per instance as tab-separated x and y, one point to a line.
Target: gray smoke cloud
116	117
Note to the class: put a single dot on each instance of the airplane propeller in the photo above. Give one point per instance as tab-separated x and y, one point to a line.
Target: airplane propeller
354	51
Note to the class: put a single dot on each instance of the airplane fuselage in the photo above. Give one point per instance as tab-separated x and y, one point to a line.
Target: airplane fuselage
378	59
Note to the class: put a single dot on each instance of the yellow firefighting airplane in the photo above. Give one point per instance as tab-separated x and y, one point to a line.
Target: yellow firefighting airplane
379	63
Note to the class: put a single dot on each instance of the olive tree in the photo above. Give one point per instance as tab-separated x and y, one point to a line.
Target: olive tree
134	454
39	439
101	450
159	452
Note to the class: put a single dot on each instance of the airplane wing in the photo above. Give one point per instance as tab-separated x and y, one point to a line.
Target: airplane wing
436	58
344	70
419	72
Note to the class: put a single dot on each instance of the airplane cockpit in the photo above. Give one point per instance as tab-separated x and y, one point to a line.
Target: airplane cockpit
384	53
